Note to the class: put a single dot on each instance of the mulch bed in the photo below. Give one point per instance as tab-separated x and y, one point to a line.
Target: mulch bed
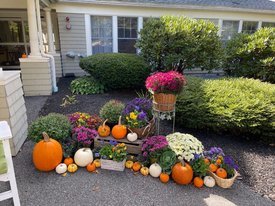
256	161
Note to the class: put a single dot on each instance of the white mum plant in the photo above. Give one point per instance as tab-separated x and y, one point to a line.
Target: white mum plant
184	145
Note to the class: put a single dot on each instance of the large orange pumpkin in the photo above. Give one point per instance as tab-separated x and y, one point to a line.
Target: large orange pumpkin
47	154
104	130
119	131
182	173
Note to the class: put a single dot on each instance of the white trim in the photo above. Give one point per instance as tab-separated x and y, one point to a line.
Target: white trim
88	32
140	26
260	24
220	27
240	26
115	34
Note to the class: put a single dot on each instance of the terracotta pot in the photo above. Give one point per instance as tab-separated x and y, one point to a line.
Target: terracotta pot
145	131
164	102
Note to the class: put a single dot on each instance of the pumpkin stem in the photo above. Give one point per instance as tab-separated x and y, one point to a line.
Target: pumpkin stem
119	120
46	136
105	122
182	162
130	130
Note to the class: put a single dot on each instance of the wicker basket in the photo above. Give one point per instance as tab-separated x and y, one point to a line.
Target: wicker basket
164	102
146	131
224	183
112	165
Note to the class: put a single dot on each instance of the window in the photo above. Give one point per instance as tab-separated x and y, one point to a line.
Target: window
249	27
229	29
127	34
268	24
102	37
13	44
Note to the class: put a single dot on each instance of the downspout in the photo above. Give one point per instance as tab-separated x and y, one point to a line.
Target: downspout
52	61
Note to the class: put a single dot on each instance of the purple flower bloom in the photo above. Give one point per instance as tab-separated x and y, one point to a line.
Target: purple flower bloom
229	162
142	115
153	144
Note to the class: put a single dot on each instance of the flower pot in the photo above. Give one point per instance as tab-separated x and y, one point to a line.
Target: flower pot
113	165
164	102
224	183
146	131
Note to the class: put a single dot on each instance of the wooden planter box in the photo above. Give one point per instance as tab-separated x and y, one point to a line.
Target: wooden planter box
132	147
112	165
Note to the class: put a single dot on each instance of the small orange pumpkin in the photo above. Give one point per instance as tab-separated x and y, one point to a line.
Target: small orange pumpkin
198	182
221	173
68	161
136	166
218	161
119	131
164	178
47	154
104	130
91	167
206	161
213	167
182	173
24	55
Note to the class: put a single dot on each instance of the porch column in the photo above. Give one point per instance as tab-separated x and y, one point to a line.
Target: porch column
49	30
33	33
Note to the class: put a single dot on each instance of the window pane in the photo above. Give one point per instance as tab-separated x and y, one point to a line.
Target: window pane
268	24
214	21
102	34
11	32
126	46
249	27
127	34
229	29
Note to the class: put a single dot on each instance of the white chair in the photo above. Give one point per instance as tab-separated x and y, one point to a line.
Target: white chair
5	135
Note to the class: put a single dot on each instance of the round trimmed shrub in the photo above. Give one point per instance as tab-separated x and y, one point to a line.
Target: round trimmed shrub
117	70
236	105
86	85
56	125
111	111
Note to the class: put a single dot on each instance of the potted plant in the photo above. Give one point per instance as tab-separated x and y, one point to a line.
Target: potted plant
138	117
111	111
113	157
221	167
79	119
165	86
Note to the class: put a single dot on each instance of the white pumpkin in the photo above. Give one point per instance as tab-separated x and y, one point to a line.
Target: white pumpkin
209	181
83	157
132	136
155	170
61	168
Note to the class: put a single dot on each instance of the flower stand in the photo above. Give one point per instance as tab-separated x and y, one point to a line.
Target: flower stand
164	115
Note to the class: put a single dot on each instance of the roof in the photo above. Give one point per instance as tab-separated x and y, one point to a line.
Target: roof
268	5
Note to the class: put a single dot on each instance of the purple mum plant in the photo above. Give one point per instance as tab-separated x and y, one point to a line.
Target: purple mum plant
153	146
84	136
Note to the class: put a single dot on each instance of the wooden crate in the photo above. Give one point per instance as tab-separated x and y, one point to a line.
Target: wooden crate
112	165
132	147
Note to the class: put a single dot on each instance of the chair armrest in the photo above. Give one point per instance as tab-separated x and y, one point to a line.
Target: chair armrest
5	131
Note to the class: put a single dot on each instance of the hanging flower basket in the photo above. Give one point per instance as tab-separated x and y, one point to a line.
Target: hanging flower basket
164	102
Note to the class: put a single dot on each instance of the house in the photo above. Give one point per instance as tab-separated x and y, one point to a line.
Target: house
57	33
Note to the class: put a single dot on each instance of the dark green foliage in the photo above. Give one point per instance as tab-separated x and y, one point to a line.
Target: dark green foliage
199	167
239	106
57	126
86	85
252	56
117	71
173	42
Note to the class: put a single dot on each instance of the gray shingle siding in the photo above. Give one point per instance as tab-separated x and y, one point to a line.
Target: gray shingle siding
244	4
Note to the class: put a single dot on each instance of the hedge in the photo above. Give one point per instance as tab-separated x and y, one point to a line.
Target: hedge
117	70
237	105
